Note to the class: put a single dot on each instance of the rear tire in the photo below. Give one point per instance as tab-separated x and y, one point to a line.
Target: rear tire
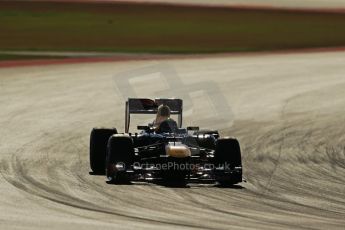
98	147
228	154
120	151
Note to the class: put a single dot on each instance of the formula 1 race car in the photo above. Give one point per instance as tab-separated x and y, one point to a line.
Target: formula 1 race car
170	154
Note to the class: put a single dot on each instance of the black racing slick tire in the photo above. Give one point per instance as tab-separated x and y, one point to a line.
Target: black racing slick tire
98	147
228	151
228	155
120	157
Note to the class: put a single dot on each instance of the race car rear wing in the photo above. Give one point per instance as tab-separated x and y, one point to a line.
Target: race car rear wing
149	106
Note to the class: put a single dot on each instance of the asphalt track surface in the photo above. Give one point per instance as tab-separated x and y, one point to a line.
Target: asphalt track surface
287	110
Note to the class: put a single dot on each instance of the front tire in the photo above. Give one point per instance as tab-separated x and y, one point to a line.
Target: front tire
98	148
228	156
120	157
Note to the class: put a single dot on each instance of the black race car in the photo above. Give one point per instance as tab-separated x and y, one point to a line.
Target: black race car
171	154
